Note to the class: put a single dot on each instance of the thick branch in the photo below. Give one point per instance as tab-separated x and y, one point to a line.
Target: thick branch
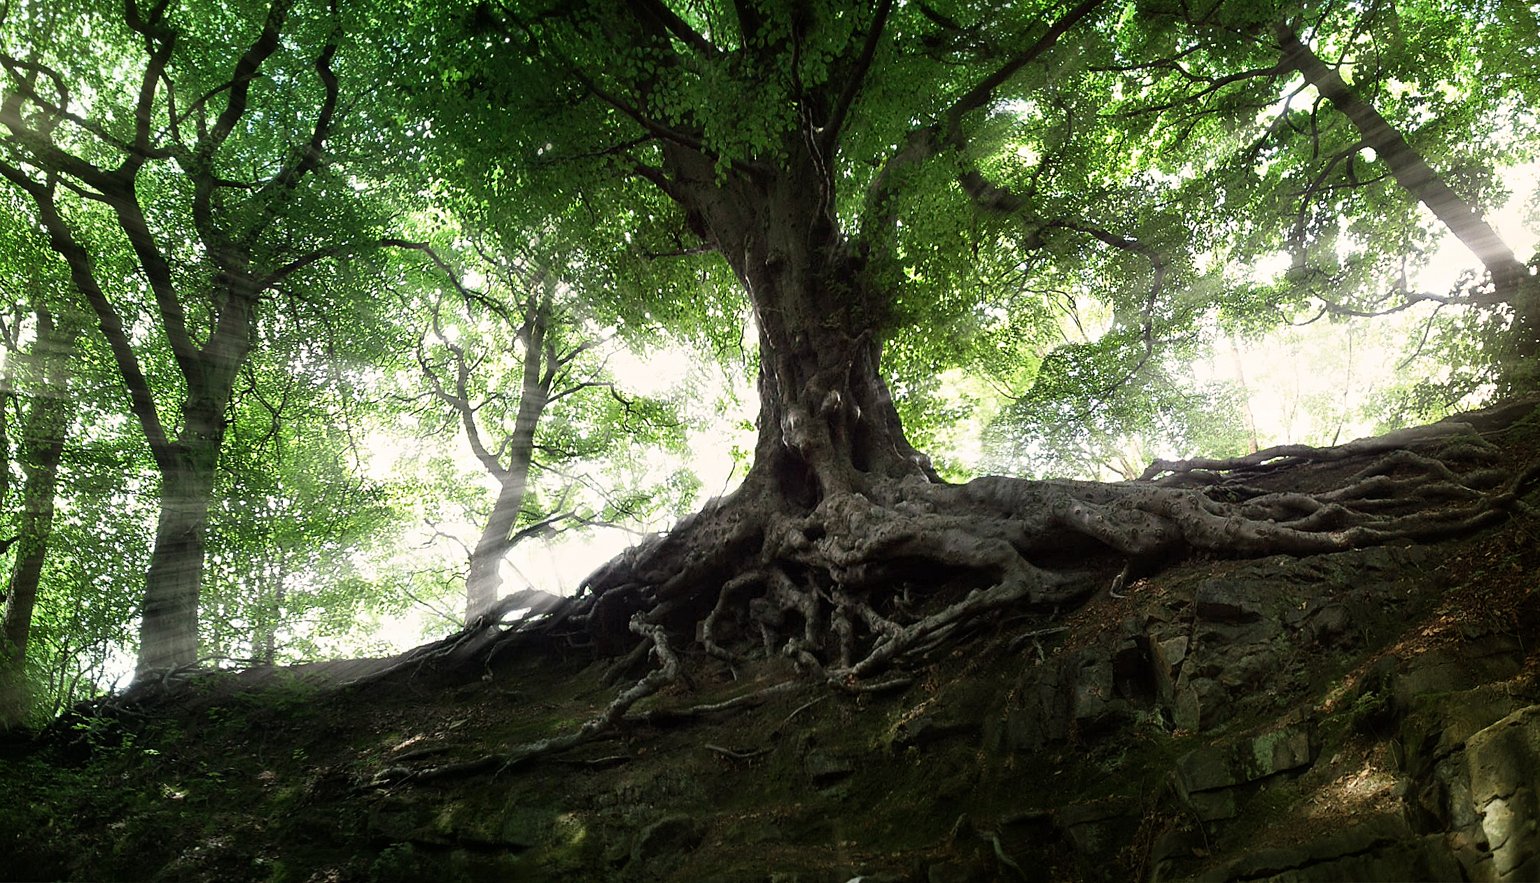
829	138
923	143
1411	171
309	156
670	21
83	275
248	68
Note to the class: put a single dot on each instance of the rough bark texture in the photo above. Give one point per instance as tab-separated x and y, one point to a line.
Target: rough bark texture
842	550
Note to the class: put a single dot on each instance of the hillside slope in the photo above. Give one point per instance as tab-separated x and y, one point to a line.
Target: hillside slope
1370	714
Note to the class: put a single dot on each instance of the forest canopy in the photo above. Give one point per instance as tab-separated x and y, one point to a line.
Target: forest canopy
317	312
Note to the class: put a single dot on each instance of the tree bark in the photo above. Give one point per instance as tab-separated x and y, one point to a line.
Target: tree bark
827	420
42	443
540	364
484	579
842	550
168	627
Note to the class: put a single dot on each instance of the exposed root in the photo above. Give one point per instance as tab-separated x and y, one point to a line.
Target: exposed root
867	580
609	722
872	579
735	754
1283	456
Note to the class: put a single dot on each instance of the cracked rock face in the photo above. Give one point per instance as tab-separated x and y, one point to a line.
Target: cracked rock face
1283	671
1503	763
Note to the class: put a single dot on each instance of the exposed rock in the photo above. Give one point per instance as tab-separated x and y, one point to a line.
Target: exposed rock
1206	777
1341	716
1381	849
1503	760
1229	601
825	769
667	836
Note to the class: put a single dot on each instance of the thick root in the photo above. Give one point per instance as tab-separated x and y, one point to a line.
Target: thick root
868	579
873	579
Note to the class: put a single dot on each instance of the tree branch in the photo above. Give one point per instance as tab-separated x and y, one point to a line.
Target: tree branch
923	143
83	274
676	26
829	138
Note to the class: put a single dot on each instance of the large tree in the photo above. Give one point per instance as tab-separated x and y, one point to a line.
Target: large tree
174	156
850	164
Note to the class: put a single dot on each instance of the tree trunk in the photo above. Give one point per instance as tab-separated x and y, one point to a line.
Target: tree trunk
842	550
827	423
42	443
265	643
168	632
484	579
540	365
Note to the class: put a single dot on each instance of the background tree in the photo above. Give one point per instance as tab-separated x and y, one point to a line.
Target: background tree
521	374
201	138
296	518
38	332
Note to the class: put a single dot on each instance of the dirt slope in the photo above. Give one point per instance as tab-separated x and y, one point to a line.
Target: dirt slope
1371	714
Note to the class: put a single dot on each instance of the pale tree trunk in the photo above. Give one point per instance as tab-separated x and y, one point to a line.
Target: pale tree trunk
168	626
265	634
42	446
484	579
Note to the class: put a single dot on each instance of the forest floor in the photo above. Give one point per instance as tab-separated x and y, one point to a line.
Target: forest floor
1369	714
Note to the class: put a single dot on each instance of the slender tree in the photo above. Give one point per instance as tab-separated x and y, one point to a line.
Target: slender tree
520	373
42	447
195	167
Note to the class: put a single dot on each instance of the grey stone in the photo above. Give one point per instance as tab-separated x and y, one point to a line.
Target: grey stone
1228	601
1281	751
1204	769
824	768
1093	696
1170	652
1213	806
1502	760
1215	767
668	835
1329	623
1166	655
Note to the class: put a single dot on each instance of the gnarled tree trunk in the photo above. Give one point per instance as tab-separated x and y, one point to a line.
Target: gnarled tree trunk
842	549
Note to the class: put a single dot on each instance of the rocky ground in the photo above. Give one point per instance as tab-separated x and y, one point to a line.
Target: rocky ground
1362	715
